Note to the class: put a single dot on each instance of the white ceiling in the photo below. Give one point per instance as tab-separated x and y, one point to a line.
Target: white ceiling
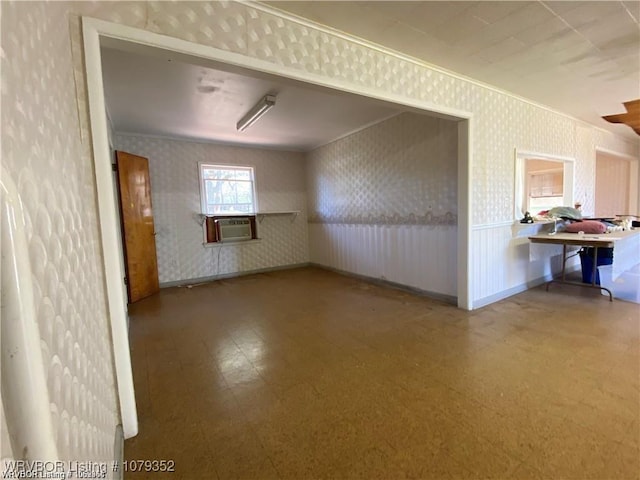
582	58
579	57
167	95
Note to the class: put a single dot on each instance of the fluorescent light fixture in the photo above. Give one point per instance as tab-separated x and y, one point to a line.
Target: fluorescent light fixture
258	110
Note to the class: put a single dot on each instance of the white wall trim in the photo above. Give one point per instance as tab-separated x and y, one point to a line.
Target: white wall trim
465	195
523	287
543	156
613	153
110	240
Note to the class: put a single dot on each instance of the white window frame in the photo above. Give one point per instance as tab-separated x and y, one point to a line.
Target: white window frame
520	197
203	195
531	192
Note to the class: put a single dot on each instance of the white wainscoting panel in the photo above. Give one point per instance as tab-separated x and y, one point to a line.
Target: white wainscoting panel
503	262
418	256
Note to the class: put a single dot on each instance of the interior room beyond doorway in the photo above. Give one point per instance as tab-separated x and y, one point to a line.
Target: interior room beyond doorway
616	185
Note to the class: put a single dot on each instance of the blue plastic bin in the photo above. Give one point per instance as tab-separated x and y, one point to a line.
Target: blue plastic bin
605	257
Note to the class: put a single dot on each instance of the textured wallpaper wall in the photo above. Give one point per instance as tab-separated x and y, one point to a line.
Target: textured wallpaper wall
49	159
401	171
383	202
175	189
45	146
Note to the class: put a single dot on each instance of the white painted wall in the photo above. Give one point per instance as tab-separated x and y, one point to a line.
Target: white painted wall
383	203
175	191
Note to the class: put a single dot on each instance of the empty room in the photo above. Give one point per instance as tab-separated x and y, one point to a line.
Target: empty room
321	240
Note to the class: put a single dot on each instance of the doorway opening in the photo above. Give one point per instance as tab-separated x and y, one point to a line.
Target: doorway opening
97	34
616	191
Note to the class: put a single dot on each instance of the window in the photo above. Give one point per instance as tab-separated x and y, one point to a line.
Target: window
543	181
545	187
227	190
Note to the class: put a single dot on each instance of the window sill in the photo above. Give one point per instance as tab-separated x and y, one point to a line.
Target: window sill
232	244
522	231
524	225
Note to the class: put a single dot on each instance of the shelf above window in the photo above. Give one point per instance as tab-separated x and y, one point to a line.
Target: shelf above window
292	213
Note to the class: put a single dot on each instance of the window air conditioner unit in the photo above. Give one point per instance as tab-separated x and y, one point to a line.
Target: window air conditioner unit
233	229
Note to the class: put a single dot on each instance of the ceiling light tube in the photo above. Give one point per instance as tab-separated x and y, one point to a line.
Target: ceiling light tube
258	110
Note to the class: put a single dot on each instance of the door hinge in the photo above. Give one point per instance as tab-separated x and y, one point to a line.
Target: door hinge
126	281
114	167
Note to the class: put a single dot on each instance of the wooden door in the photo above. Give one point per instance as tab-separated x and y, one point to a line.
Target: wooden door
138	230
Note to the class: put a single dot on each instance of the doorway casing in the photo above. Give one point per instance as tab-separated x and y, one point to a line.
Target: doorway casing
97	32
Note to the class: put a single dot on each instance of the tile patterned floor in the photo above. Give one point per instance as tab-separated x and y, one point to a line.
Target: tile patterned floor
305	374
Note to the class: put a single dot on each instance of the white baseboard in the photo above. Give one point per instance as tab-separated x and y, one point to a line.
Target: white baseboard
386	283
199	280
496	297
